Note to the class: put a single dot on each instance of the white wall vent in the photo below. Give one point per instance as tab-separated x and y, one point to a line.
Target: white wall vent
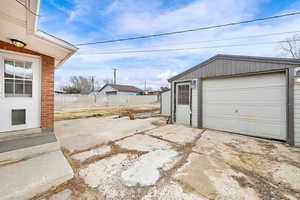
194	83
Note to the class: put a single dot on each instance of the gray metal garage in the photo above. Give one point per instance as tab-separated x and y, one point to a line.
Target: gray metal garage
254	96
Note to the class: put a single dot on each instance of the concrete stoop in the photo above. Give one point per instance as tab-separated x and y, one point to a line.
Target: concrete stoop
27	153
26	178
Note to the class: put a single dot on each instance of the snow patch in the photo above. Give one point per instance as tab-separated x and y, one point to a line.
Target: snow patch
145	171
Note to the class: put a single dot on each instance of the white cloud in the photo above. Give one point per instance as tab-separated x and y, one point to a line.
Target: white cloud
131	17
166	75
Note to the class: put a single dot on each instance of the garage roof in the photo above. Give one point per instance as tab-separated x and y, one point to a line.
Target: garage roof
288	61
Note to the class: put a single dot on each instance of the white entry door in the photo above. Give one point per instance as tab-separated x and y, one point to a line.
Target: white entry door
252	105
183	109
20	92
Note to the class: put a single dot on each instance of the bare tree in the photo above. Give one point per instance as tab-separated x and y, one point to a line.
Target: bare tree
291	46
81	84
164	89
107	81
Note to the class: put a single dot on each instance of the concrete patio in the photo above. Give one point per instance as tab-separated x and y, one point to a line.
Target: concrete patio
118	158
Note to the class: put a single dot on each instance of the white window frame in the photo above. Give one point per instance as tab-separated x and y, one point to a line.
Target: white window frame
17	79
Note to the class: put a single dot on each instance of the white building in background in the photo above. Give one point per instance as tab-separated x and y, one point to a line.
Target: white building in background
114	89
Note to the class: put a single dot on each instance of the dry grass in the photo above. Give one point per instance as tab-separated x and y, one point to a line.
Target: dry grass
66	114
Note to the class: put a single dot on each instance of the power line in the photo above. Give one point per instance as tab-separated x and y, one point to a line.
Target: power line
215	40
181	49
192	30
28	8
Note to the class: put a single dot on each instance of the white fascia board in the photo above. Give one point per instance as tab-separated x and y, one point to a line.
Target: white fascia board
32	23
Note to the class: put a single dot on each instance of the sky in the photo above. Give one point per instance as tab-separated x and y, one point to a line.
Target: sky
81	21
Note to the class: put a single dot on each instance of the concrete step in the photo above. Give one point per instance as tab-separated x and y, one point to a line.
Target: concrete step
28	152
25	179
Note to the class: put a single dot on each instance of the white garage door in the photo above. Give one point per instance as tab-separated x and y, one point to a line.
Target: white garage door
252	105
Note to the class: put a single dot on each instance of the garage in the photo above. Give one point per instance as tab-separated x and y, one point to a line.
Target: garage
249	95
252	105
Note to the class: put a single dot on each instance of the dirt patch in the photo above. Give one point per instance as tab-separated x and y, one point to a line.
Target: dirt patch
67	114
115	149
159	123
266	187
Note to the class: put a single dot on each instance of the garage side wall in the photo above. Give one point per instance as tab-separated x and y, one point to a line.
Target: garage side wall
172	102
297	113
195	106
165	103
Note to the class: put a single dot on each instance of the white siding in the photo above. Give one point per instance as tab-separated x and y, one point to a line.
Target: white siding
297	114
173	101
165	103
195	107
252	105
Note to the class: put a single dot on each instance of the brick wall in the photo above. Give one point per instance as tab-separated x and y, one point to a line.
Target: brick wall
47	87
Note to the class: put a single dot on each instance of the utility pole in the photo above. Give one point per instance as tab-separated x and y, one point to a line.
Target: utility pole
93	89
115	76
93	83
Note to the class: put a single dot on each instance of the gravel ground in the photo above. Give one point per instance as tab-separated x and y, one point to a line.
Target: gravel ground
169	162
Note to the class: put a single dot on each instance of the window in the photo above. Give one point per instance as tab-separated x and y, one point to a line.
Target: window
18	117
17	78
183	94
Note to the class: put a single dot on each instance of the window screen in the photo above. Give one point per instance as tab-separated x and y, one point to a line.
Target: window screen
183	94
18	117
17	78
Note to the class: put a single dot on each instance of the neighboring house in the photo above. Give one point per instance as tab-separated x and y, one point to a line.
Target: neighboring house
156	92
28	58
254	96
165	103
113	89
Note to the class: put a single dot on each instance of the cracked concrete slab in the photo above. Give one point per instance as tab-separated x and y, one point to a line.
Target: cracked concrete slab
143	143
260	160
176	133
79	134
208	165
94	152
62	195
145	171
170	191
104	174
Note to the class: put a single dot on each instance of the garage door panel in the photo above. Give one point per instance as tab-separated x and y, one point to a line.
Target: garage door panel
272	95
253	105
